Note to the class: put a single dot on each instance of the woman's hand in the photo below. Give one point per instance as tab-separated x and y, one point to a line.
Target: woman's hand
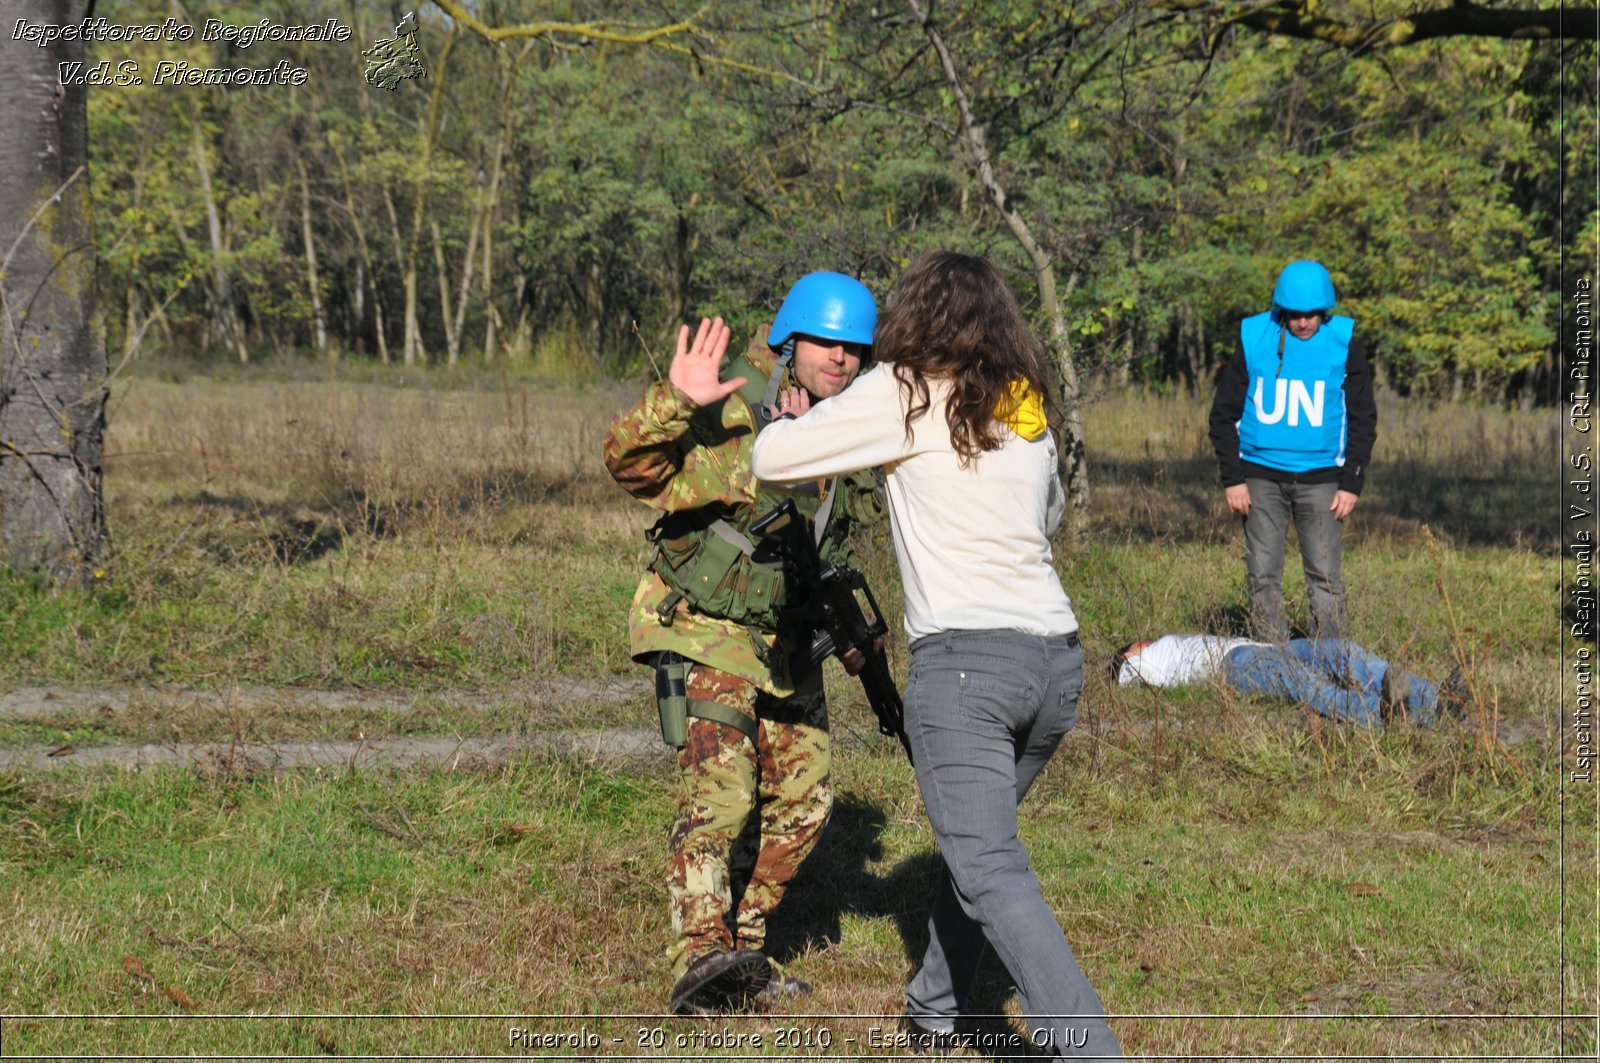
696	366
792	401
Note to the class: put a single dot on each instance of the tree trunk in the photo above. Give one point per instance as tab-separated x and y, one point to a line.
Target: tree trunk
131	332
52	351
358	306
366	268
484	220
413	349
1074	462
468	262
491	324
452	342
221	284
419	202
1130	336
312	281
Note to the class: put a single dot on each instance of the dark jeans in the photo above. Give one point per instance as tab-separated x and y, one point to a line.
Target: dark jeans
985	711
1273	506
1334	677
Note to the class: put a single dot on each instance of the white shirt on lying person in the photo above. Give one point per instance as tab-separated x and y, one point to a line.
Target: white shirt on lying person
973	543
1174	660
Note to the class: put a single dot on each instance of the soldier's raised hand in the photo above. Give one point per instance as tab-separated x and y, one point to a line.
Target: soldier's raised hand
695	366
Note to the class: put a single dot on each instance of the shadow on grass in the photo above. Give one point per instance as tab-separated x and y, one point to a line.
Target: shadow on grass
287	533
1179	500
299	531
838	879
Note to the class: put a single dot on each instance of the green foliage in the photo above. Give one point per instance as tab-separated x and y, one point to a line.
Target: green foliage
1167	168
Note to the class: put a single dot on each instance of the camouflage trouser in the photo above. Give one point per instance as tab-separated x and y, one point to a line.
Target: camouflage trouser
743	809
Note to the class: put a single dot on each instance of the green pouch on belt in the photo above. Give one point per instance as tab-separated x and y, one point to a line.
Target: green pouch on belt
672	699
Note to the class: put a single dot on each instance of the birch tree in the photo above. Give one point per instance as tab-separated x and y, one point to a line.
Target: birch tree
52	353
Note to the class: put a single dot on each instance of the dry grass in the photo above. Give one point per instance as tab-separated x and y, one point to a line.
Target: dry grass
1207	854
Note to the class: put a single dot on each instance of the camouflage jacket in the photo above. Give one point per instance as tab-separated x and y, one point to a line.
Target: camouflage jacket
675	456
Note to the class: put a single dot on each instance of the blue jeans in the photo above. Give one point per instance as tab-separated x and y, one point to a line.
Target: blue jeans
1334	677
985	711
1273	505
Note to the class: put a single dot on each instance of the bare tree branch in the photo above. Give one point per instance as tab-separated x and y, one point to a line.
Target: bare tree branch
1300	18
49	201
664	37
594	31
973	138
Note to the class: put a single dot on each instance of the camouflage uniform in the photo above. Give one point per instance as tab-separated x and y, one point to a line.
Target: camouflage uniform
678	457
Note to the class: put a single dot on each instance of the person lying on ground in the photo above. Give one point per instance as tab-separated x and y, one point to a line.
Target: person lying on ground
1332	677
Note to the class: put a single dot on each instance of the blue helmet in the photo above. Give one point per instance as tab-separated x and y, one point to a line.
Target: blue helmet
1304	286
829	306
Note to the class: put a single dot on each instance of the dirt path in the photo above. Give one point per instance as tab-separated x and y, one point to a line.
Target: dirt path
407	751
32	703
438	752
428	752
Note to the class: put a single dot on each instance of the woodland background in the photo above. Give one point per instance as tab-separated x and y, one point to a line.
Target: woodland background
529	203
318	731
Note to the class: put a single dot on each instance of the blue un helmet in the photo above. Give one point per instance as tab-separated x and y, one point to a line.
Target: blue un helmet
829	306
1304	286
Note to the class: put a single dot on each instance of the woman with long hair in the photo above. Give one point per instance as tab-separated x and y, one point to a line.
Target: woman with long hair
996	668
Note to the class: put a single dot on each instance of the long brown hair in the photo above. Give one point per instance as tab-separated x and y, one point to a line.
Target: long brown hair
953	315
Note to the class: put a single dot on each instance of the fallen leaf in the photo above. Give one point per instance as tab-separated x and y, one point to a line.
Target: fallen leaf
135	966
61	751
182	999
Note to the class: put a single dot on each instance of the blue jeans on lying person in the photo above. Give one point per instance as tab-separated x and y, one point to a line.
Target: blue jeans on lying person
1333	677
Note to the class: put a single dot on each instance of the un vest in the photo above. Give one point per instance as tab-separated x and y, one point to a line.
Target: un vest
709	560
1294	415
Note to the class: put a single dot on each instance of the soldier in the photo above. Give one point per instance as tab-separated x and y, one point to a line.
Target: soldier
752	738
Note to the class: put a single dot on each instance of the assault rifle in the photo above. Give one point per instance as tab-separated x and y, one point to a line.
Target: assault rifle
832	614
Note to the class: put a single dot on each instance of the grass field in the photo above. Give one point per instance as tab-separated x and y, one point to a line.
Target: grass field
1237	878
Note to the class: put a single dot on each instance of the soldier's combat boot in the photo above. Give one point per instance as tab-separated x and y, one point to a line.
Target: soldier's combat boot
723	981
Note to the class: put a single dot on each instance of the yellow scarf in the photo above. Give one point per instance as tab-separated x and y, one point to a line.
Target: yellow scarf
1023	410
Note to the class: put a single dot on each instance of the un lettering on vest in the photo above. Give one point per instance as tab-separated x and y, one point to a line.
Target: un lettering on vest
1291	398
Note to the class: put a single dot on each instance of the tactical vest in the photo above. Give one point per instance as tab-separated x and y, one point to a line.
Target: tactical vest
1294	415
708	559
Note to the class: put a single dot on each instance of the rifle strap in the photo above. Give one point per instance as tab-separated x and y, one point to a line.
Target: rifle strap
717	712
824	511
775	378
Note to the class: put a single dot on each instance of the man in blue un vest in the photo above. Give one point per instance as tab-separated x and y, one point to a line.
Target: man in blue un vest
1293	425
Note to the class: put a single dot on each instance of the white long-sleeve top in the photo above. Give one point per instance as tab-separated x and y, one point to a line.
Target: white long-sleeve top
973	543
1175	660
